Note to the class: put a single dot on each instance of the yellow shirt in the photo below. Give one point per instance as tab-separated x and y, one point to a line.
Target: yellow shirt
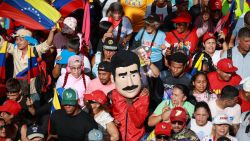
135	10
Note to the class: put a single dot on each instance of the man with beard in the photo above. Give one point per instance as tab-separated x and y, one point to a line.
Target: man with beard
224	75
103	82
70	123
178	119
129	101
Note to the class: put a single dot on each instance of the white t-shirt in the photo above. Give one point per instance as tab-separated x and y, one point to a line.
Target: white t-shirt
210	138
232	112
216	57
161	12
103	119
201	131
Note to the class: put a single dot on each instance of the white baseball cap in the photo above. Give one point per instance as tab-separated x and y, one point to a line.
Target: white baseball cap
246	85
221	119
71	22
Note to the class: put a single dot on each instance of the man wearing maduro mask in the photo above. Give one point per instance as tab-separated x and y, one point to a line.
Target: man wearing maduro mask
129	101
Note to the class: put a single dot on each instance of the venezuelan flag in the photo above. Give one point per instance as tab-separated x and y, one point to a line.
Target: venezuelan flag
68	6
55	102
3	50
33	69
228	19
198	65
33	14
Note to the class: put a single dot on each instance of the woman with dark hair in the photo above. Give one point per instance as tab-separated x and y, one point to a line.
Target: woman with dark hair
97	104
122	26
200	88
201	121
179	98
105	30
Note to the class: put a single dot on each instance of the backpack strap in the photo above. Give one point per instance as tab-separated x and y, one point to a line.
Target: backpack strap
247	114
35	52
179	40
152	43
153	7
229	53
119	31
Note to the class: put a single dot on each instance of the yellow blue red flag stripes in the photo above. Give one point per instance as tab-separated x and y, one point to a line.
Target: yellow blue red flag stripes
33	14
55	102
68	6
198	65
3	50
33	69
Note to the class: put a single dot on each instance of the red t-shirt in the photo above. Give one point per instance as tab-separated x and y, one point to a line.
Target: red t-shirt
216	84
189	44
245	105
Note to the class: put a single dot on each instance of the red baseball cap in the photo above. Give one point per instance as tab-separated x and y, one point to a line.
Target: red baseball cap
226	65
163	128
215	4
97	96
11	107
207	36
183	17
178	114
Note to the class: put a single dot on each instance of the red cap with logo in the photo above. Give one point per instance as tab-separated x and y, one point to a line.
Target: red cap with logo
97	96
163	128
11	107
226	65
183	17
207	36
178	114
215	4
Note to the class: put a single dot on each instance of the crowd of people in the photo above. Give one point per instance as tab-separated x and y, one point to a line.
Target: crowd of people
154	70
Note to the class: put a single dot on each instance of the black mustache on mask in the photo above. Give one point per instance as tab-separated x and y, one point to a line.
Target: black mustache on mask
128	88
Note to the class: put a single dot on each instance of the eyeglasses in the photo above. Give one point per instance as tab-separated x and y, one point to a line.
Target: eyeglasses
165	137
177	122
2	126
75	68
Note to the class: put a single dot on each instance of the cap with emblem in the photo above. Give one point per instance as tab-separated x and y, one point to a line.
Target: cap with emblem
221	119
178	114
110	44
69	97
34	131
207	36
163	128
215	4
226	65
95	135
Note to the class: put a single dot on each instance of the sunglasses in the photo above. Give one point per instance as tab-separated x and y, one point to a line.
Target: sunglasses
162	137
180	24
177	122
2	126
91	102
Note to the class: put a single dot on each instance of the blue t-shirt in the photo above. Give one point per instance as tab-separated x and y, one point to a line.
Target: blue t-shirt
156	54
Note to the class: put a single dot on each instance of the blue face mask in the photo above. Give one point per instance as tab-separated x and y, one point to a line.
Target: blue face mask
32	41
